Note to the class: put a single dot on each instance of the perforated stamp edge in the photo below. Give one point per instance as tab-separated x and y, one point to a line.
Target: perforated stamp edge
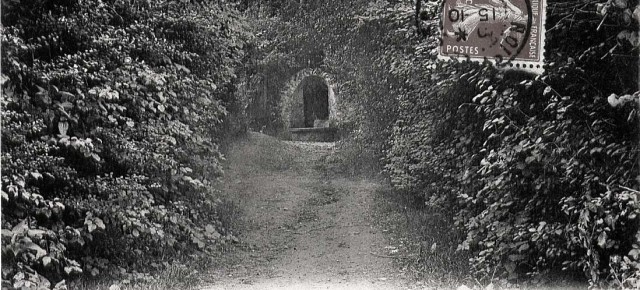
512	63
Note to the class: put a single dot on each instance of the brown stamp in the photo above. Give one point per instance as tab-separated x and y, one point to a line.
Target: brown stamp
510	33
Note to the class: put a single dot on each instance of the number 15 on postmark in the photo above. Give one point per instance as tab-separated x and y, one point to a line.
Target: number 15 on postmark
510	33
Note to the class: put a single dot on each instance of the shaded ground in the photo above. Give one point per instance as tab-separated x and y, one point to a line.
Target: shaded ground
302	226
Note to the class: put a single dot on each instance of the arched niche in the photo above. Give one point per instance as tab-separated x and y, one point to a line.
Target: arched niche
309	101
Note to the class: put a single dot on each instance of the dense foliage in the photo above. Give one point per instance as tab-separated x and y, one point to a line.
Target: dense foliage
540	172
352	42
111	116
284	46
113	111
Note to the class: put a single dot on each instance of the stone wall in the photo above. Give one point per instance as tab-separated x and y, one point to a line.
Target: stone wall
292	99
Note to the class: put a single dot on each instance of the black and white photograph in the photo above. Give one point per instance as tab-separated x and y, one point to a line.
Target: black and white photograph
320	144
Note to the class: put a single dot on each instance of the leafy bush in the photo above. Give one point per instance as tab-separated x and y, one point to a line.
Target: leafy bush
540	171
112	112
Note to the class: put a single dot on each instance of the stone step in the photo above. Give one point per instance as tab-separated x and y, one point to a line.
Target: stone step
314	134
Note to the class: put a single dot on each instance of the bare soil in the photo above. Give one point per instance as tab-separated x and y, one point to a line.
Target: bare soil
301	225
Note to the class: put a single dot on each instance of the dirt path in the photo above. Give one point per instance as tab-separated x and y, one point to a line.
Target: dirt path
302	227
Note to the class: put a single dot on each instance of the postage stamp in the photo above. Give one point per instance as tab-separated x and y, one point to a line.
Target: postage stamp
510	33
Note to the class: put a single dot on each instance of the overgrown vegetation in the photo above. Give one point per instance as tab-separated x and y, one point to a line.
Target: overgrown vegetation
111	116
541	172
538	172
284	47
113	112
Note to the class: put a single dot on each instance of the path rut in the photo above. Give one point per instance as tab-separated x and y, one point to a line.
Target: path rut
302	226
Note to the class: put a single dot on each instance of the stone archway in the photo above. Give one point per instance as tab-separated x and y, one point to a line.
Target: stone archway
309	101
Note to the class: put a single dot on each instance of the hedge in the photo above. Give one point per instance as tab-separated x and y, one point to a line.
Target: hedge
111	116
541	172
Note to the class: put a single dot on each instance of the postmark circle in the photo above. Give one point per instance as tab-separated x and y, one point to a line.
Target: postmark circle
492	29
